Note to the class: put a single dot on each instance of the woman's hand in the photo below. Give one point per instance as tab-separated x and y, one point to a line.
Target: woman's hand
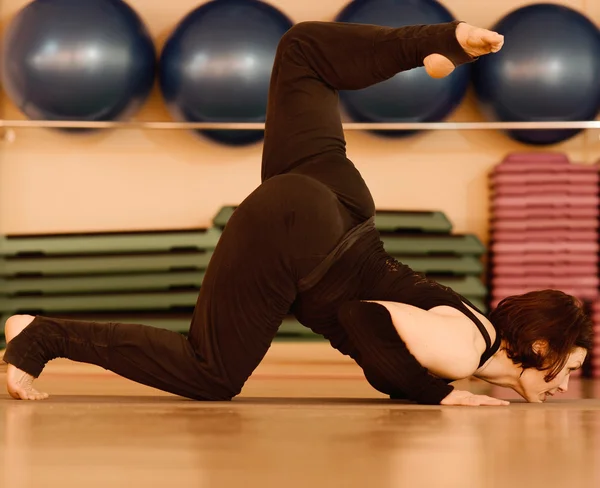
466	398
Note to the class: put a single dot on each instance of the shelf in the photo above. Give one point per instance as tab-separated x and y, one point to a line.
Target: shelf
157	125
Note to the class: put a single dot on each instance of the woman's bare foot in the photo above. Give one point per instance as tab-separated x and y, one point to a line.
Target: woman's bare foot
477	41
18	383
3	365
474	40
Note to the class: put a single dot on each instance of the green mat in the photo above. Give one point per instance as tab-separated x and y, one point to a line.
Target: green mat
118	264
154	277
192	280
104	264
123	302
467	286
412	221
441	265
385	220
137	300
223	216
455	244
188	278
102	283
109	243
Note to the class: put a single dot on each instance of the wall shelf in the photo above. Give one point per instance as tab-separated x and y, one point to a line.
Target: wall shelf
350	126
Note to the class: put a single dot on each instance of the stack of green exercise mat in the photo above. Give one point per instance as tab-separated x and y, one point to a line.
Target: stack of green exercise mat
154	277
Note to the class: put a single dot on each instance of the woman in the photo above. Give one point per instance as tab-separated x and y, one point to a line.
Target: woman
304	242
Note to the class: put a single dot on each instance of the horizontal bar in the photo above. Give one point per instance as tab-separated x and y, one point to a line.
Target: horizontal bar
66	124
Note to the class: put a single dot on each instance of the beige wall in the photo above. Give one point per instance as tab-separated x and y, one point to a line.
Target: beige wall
126	180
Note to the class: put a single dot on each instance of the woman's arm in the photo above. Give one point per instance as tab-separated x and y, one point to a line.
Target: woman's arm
443	339
383	352
387	358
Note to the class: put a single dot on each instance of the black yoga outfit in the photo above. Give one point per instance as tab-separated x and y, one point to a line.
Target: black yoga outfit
303	242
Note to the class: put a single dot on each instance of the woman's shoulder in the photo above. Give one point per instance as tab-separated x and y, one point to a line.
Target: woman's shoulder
483	321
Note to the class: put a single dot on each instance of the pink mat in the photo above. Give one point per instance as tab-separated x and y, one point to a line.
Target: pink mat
541	162
501	293
544	167
552	257
548	269
538	224
558	177
583	292
545	212
536	157
546	201
545	234
545	189
556	282
544	246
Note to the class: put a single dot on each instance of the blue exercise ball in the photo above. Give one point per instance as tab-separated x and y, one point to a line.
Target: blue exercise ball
409	96
548	70
216	66
89	60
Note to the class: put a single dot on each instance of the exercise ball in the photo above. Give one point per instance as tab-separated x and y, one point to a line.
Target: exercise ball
89	60
409	96
216	66
548	70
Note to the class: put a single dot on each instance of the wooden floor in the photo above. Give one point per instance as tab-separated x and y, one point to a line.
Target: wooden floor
306	418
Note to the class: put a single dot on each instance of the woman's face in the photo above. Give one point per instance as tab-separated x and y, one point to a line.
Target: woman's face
534	388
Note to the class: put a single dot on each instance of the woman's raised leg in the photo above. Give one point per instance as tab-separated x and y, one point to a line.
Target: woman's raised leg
316	59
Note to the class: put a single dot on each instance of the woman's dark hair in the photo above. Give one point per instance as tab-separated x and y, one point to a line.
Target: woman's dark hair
550	316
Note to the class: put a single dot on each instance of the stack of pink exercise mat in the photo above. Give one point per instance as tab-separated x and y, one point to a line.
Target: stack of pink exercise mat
544	227
596	354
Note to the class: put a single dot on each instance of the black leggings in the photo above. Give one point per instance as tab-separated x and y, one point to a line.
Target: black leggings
310	197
